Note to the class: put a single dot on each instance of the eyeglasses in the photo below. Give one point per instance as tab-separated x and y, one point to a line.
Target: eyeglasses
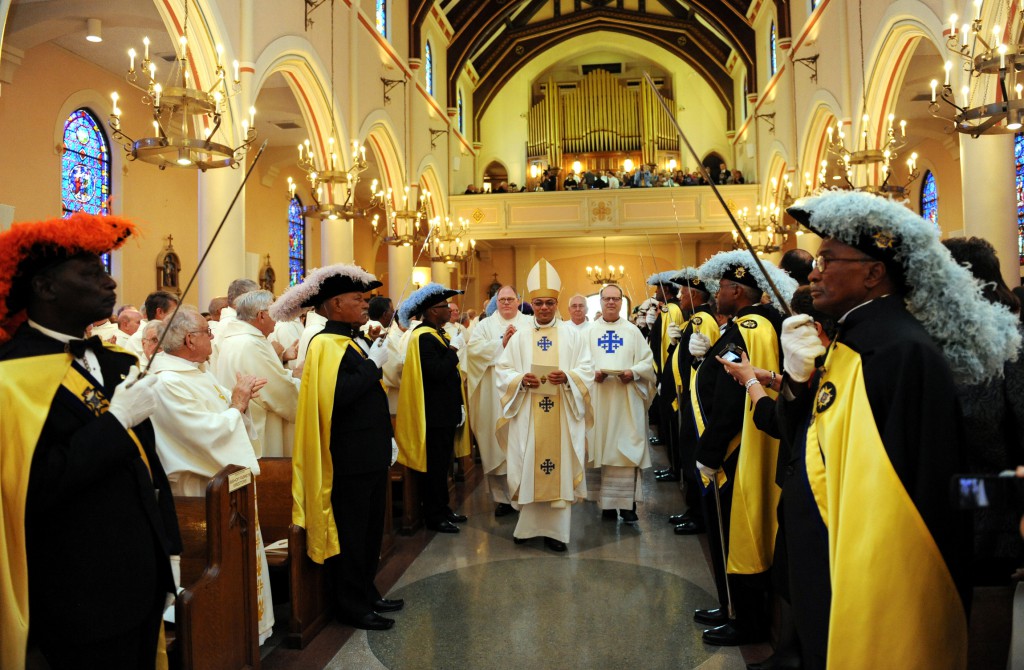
208	332
506	300
821	262
544	303
619	299
151	340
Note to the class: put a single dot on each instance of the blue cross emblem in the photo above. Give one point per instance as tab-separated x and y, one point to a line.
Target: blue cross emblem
546	404
610	341
547	466
544	343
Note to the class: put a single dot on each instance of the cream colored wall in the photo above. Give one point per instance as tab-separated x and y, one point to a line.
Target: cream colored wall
934	155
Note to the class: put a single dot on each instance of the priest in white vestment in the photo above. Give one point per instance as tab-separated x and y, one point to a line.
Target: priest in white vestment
624	387
286	335
245	350
158	306
485	347
578	313
315	322
201	427
544	378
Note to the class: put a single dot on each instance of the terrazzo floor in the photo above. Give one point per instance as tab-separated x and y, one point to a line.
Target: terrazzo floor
620	597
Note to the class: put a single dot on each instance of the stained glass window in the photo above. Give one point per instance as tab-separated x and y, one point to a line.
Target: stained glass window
929	198
1018	156
296	242
85	168
382	18
428	68
773	63
814	4
462	118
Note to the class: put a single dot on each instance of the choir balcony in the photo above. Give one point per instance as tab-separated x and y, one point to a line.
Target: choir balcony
604	212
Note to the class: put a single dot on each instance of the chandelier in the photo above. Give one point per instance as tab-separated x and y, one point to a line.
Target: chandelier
597	275
186	118
767	231
402	227
857	162
448	241
980	57
331	187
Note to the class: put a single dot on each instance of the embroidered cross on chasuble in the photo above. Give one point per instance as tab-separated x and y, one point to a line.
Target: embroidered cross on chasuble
547	418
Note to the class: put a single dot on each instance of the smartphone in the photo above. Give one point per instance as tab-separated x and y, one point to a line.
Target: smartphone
732	353
1004	491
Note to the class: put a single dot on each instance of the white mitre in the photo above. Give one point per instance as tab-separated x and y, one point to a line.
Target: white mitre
543	281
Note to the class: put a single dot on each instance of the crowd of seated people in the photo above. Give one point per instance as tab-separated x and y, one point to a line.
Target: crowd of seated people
644	176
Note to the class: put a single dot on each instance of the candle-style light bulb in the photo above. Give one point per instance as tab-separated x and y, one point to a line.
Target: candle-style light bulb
152	72
145	45
948	67
235	64
966	92
903	127
220	55
131	60
252	116
157	90
935	85
977	10
952	25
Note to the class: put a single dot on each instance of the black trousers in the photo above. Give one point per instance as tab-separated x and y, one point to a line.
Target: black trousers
359	503
668	429
433	484
686	438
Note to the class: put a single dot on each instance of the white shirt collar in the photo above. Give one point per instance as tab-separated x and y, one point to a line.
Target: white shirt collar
843	317
63	338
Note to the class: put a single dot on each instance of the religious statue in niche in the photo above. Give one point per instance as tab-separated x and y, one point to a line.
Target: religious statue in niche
168	269
494	287
267	275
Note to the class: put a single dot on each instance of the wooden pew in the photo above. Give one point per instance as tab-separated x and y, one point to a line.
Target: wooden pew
307	581
216	615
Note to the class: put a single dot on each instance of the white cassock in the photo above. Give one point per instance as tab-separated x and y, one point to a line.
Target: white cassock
482	354
244	350
454	329
227	315
314	324
582	327
121	338
287	333
198	434
104	331
550	515
392	370
134	343
618	446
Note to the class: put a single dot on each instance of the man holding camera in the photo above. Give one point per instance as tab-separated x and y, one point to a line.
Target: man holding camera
736	461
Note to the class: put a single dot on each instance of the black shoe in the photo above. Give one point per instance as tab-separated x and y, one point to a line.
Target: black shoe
729	635
444	526
457	518
553	544
654	440
609	514
677	519
668	477
711	617
689	528
662	471
520	540
371	621
780	660
503	509
385	605
629	516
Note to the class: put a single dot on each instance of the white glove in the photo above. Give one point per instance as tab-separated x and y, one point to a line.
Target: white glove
800	346
706	471
378	353
699	345
645	305
652	315
132	406
462	421
457	342
674	333
394	451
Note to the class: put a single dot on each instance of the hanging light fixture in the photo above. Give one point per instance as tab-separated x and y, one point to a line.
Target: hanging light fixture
862	163
402	227
449	243
596	273
331	186
186	118
978	56
767	231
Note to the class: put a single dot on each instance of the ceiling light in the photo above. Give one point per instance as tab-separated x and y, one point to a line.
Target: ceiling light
92	30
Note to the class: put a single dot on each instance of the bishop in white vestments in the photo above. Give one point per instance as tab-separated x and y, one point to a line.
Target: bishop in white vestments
544	378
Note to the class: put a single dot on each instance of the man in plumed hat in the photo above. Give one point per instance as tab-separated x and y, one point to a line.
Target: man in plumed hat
694	299
545	377
877	427
735	460
432	404
343	442
87	522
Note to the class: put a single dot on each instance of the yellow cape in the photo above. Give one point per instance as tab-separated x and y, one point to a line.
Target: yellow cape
27	387
411	424
312	467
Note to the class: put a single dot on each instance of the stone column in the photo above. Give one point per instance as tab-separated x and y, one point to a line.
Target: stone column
226	261
399	273
441	273
987	172
336	242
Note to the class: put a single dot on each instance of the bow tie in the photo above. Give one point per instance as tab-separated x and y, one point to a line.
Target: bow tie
77	347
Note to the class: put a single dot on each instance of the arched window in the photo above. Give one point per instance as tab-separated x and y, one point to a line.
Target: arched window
85	168
296	242
461	116
428	67
929	198
772	62
1018	156
814	4
382	18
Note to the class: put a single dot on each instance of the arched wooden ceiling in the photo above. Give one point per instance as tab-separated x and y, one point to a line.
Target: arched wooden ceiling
500	36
